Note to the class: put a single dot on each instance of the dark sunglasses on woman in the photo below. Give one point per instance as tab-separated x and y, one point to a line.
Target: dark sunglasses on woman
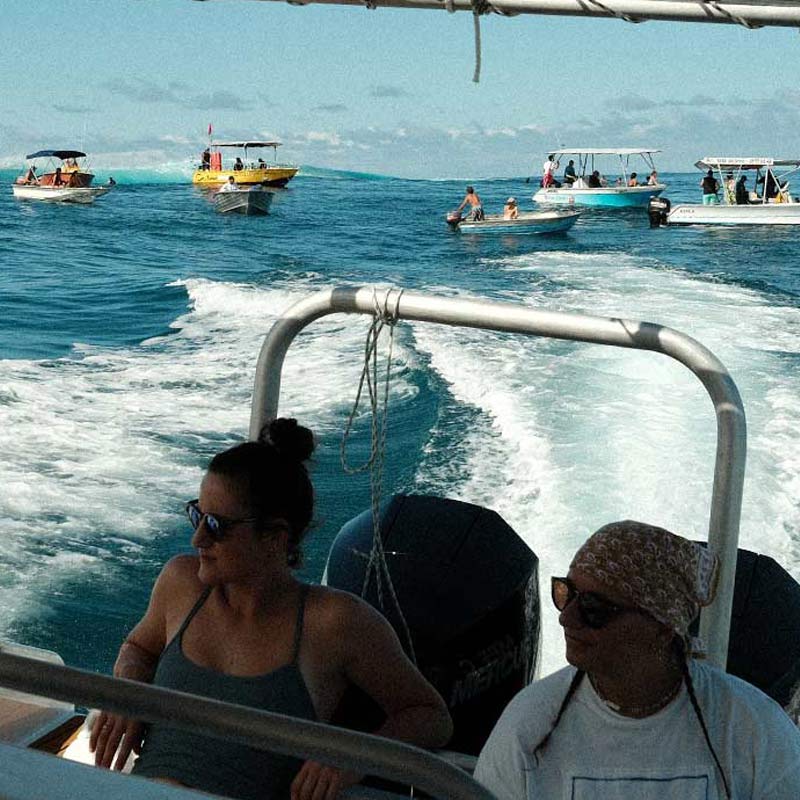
216	525
595	611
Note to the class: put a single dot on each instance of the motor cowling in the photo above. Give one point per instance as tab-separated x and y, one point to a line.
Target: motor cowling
453	219
658	211
468	589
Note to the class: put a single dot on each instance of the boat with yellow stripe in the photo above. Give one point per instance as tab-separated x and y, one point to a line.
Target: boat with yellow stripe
246	171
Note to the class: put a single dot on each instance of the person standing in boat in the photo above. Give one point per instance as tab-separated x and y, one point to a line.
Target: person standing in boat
205	159
635	715
742	195
233	622
569	173
238	164
472	200
549	171
710	186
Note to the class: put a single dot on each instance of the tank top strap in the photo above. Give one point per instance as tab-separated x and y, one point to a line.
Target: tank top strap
298	630
195	608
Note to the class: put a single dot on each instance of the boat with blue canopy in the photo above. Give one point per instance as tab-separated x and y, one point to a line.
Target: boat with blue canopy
587	186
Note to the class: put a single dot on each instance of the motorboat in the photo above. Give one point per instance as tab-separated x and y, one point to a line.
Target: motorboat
212	172
590	187
496	624
250	200
766	201
550	221
57	176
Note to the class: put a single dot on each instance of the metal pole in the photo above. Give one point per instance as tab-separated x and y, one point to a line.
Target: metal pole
359	752
726	498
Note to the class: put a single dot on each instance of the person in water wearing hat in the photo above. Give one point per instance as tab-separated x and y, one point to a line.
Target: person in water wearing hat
635	715
510	210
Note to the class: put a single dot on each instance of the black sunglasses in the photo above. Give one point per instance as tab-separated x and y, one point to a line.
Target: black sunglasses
216	525
595	611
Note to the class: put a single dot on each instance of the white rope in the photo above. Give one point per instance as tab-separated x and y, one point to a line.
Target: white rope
376	563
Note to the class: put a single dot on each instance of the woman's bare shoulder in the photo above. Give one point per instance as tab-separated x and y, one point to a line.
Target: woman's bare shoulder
337	610
178	578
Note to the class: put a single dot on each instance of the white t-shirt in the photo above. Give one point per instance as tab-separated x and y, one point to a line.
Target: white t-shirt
549	166
597	754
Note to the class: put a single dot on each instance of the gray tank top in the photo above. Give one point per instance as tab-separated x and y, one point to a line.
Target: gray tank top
216	765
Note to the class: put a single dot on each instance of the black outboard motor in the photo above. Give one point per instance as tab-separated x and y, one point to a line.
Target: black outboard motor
453	219
468	589
658	211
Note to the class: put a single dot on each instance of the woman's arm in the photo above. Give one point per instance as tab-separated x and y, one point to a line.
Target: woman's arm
138	656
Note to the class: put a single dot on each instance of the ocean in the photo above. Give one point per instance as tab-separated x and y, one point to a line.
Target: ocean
129	332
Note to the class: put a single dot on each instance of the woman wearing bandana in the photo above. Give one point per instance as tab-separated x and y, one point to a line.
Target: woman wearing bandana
636	715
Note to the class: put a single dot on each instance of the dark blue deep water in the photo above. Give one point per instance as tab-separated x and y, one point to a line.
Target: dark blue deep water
129	332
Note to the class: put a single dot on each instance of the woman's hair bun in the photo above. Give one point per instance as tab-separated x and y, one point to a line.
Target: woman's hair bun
290	439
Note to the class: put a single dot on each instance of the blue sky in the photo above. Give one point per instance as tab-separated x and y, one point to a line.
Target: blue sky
137	82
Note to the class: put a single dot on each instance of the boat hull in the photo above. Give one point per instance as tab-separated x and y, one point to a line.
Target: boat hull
605	197
278	175
761	214
542	222
59	194
252	202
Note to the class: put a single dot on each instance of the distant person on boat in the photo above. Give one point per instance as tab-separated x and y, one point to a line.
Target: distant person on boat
730	189
510	209
57	179
233	622
238	165
230	186
549	172
594	180
111	181
30	175
636	715
262	164
710	187
633	180
652	179
741	193
569	173
205	159
472	200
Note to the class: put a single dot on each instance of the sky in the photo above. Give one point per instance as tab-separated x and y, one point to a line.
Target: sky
386	91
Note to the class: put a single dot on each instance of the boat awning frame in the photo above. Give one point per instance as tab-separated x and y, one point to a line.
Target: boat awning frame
397	304
245	145
727	162
62	154
750	14
602	151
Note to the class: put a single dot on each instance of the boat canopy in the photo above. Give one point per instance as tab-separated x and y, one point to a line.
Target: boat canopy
62	154
246	145
602	151
720	162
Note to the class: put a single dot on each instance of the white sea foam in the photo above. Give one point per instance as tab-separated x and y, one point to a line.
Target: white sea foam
573	436
100	449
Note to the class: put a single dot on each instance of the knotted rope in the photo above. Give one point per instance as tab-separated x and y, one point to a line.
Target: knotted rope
383	316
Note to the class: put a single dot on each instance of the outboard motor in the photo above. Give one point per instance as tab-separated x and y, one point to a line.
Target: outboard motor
453	219
467	586
658	211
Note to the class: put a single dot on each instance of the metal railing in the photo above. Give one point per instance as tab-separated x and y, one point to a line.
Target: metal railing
360	752
726	494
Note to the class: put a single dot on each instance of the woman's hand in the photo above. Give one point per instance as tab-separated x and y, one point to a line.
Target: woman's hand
114	734
317	781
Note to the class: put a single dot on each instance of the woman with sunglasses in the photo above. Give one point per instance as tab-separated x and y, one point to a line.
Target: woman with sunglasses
233	622
635	715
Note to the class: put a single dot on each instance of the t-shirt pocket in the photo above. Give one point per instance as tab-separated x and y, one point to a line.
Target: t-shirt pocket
689	786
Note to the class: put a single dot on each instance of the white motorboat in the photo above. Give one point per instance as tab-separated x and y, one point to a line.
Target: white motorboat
250	200
556	220
590	187
64	178
767	201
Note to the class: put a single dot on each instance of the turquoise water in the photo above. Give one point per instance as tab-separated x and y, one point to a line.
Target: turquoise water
129	331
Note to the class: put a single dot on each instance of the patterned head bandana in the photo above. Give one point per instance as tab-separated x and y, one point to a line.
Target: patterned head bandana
661	573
